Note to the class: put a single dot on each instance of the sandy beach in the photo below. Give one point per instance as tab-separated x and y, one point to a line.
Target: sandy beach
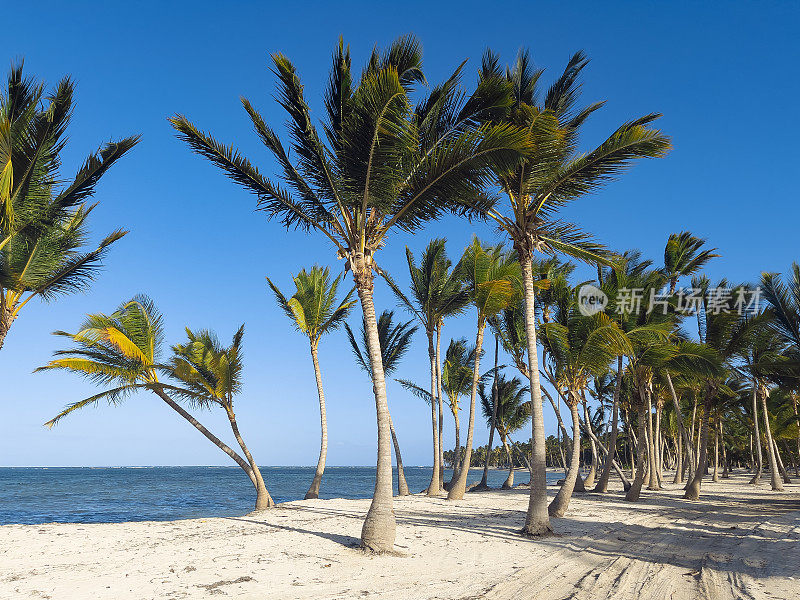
738	542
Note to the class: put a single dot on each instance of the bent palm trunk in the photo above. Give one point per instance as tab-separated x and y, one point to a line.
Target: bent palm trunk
459	486
263	499
558	508
693	489
651	447
537	519
775	479
484	484
379	529
589	481
687	441
509	482
602	484
313	491
439	402
641	456
402	486
756	441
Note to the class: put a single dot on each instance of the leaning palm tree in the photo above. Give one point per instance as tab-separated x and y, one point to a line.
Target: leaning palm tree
384	165
315	311
492	278
394	341
43	230
436	293
505	406
551	176
684	256
123	349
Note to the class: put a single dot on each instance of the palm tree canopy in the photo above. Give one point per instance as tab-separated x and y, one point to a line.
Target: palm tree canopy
492	277
43	230
120	349
683	255
394	340
513	411
383	162
313	308
436	290
208	370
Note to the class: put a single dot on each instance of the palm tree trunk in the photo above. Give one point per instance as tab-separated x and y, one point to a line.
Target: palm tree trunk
757	440
483	484
439	401
602	484
379	529
693	489
651	445
402	485
433	487
558	508
313	491
211	437
537	519
589	481
715	475
459	486
641	453
263	499
781	468
775	478
659	443
684	434
6	319
725	474
509	482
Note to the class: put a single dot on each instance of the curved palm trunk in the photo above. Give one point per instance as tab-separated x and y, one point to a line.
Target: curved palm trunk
313	491
775	479
641	454
602	484
509	482
433	487
589	480
558	507
379	529
262	495
402	485
782	469
537	519
484	483
715	474
693	489
439	402
263	499
687	441
658	443
459	486
757	440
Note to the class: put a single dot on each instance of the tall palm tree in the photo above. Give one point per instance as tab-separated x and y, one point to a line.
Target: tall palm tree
314	310
385	165
123	349
490	275
506	407
394	341
436	293
43	230
551	176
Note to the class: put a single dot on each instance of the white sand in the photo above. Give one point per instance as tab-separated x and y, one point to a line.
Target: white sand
738	542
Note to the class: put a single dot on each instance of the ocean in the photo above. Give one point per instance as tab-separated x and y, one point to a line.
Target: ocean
33	495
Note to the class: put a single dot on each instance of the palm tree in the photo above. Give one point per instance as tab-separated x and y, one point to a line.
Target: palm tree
551	176
436	293
683	257
210	375
505	406
394	341
385	165
315	311
43	230
122	349
490	276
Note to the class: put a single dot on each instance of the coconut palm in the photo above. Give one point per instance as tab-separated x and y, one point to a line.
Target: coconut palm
506	407
394	341
314	310
436	293
492	278
684	256
123	349
385	165
551	176
43	230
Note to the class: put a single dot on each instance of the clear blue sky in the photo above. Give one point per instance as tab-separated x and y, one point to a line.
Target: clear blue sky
723	75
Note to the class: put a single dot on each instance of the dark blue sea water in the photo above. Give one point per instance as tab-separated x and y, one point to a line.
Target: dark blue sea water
106	495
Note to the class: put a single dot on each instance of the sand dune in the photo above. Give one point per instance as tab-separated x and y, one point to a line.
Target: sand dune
738	542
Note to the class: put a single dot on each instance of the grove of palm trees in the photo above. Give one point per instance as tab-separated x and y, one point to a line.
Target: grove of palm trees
537	408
